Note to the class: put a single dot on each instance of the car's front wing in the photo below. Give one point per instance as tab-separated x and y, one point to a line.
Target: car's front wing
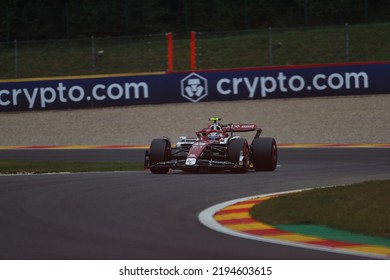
199	164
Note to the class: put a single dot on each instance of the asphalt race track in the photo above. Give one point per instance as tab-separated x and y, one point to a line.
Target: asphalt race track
139	215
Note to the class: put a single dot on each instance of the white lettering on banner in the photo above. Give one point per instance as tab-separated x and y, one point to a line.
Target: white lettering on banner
220	89
136	88
15	96
76	93
115	92
315	82
264	88
61	90
299	79
44	98
236	82
356	77
94	92
193	87
31	98
4	102
296	83
282	78
251	87
73	97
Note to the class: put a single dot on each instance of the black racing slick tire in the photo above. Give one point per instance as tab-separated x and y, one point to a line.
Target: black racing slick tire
264	154
160	151
237	148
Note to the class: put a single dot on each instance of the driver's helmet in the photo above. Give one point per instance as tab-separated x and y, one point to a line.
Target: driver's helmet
216	126
217	131
214	136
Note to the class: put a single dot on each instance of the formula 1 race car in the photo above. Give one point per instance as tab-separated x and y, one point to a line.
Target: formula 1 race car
214	148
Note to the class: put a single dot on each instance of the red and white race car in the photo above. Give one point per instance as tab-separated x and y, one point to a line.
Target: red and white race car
214	148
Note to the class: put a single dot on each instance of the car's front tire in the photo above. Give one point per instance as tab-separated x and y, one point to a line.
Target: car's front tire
159	151
237	148
264	154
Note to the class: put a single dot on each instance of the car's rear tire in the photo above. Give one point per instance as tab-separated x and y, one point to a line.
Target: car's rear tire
264	154
237	147
160	151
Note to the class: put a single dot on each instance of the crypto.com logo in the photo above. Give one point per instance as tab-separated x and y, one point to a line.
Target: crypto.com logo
194	87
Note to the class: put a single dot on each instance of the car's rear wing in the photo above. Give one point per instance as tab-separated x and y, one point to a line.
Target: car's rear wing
239	127
242	128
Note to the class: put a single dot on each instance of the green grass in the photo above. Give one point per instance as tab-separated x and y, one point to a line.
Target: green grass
215	50
36	167
360	208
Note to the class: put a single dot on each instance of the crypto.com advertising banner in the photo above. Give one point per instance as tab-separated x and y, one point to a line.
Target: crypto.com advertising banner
200	86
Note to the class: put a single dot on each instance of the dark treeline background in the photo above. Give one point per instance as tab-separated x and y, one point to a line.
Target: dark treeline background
48	19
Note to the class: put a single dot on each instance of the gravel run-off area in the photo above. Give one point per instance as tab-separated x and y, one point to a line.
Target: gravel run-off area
318	120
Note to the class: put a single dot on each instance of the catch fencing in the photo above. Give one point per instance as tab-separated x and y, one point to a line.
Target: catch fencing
27	59
195	51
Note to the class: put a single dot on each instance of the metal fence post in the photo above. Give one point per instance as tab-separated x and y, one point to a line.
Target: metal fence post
93	61
8	23
346	42
270	47
16	54
246	13
127	17
67	20
149	46
199	49
306	12
366	10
